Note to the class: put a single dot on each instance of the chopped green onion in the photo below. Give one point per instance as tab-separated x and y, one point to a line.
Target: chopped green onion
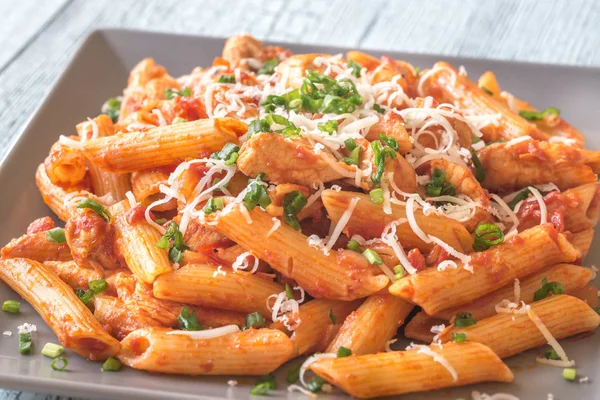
437	186
328	127
476	139
344	352
289	292
11	306
399	272
376	195
96	207
459	337
98	286
350	144
354	246
111	365
229	153
539	115
25	341
263	385
569	374
389	141
188	321
294	374
56	235
255	320
417	71
378	108
372	257
332	316
293	203
463	320
84	295
268	67
356	68
488	91
179	120
59	364
289	128
551	354
380	152
331	96
173	240
555	288
257	126
112	108
213	205
170	93
353	158
257	195
227	79
479	171
486	236
52	350
290	101
316	384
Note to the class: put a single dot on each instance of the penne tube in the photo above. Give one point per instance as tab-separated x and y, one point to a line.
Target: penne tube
369	220
419	327
250	352
145	186
71	321
164	145
65	166
445	84
520	256
136	242
343	275
510	334
35	246
72	274
572	278
514	166
582	241
54	196
320	320
103	182
209	286
399	372
582	207
118	318
589	294
368	329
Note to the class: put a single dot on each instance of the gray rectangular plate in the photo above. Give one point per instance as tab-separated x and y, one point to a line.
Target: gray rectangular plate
99	70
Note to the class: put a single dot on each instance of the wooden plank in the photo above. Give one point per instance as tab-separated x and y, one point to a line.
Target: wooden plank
19	24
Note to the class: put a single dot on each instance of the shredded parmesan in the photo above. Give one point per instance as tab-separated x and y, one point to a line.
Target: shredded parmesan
132	201
422	349
219	271
276	225
551	340
208	333
498	396
242	263
542	203
68	142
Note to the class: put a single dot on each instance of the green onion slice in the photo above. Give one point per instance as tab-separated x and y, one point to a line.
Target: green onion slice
111	364
486	236
463	320
344	352
59	364
52	350
255	320
555	288
372	257
56	235
188	321
96	207
538	115
98	285
11	306
293	203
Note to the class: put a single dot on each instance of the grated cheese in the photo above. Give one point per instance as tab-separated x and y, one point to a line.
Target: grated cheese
422	349
542	203
276	225
219	271
242	263
208	333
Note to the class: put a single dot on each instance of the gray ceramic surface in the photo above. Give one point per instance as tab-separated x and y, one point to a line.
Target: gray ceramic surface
98	71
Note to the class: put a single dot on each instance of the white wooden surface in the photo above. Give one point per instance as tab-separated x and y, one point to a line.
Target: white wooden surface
37	37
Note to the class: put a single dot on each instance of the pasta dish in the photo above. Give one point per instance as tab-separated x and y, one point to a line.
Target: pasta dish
277	205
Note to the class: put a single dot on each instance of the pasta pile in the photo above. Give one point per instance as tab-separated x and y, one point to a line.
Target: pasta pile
277	205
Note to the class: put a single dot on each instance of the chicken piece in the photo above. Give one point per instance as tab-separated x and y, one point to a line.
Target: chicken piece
241	47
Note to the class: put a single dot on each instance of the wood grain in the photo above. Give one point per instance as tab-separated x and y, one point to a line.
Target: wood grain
37	38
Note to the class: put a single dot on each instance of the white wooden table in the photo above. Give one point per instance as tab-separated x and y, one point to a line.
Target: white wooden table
38	37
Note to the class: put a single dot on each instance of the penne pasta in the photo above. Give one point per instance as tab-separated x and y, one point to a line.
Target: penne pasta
336	276
320	321
369	220
72	274
368	329
162	146
54	196
65	166
37	247
250	352
526	253
136	242
145	186
400	372
420	326
509	334
209	286
103	182
71	321
118	318
445	84
582	241
571	277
